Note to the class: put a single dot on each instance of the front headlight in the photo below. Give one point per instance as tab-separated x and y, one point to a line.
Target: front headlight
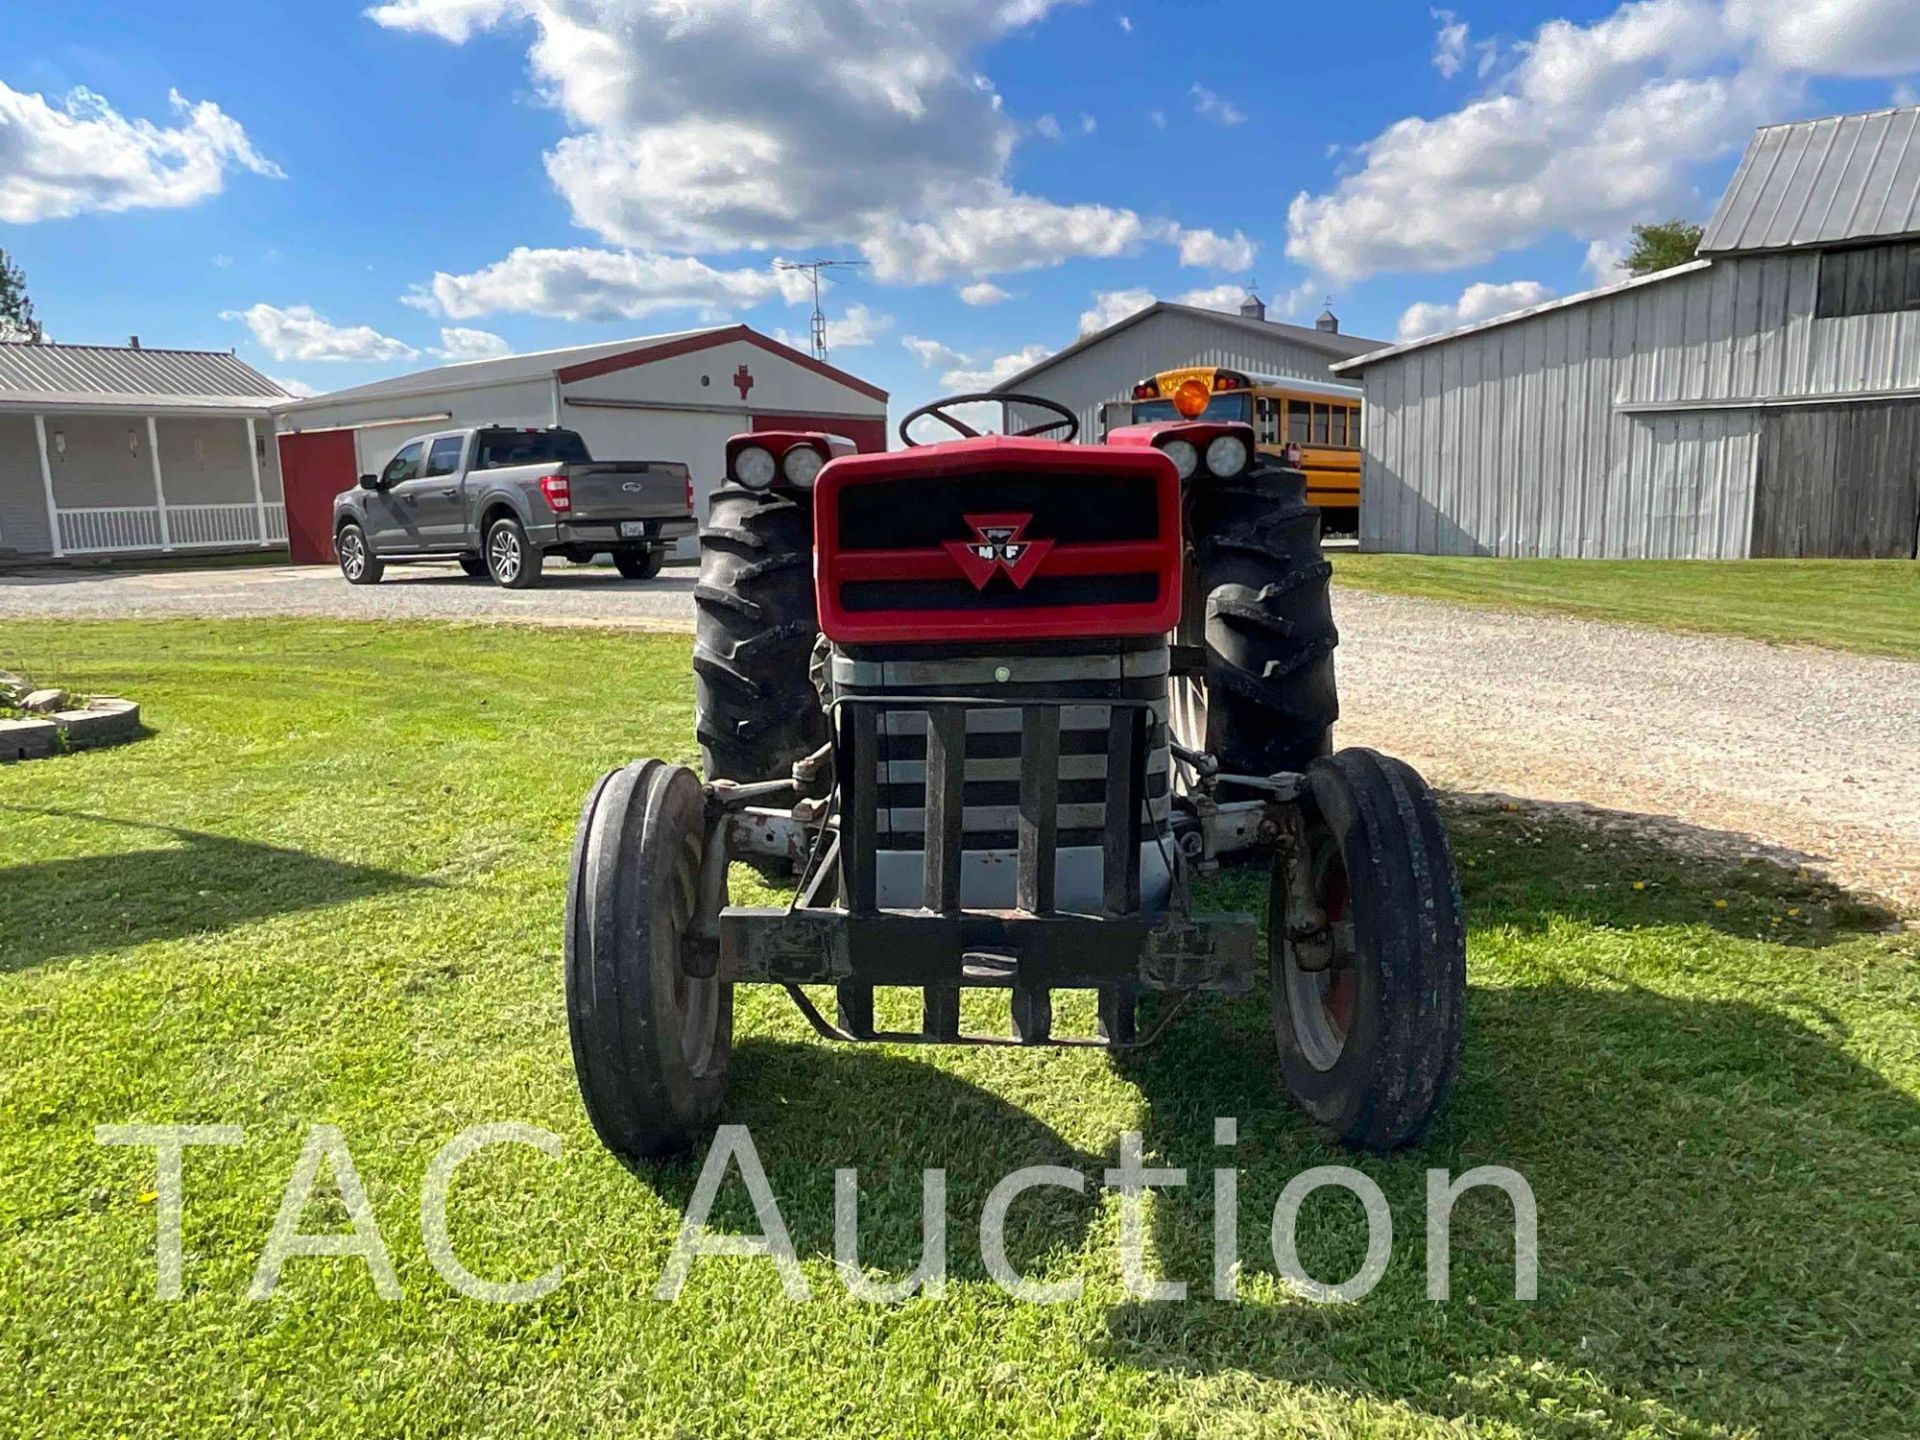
1183	455
1227	456
753	467
802	464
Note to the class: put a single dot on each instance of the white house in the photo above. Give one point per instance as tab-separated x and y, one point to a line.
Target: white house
120	450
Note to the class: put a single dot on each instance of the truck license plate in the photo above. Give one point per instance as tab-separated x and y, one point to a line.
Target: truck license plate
632	529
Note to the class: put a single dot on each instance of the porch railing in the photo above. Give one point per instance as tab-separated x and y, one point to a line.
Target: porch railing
108	529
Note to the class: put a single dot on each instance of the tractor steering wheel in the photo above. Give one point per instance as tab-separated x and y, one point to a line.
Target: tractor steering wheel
1068	421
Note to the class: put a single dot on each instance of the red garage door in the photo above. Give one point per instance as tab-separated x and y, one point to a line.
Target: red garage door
313	469
869	435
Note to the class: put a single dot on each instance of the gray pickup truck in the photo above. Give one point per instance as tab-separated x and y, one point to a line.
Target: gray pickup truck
499	500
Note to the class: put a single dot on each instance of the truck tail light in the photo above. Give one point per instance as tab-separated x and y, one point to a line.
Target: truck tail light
689	491
559	493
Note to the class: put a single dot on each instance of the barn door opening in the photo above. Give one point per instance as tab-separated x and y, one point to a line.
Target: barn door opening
1839	481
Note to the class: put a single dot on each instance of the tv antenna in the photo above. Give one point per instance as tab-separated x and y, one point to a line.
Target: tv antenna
819	315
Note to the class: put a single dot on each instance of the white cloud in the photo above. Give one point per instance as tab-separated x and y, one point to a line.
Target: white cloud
859	326
1126	23
585	284
736	123
1225	298
221	262
1213	251
299	389
1595	127
984	292
1110	307
80	155
1479	301
1004	367
1159	118
1905	94
1606	260
459	343
1453	44
934	352
1010	233
1832	37
1217	108
1449	43
299	332
1050	127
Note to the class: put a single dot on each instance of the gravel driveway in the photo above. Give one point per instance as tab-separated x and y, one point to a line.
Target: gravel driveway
571	595
1727	746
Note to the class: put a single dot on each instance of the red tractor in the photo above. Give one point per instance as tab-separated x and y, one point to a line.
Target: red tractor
999	699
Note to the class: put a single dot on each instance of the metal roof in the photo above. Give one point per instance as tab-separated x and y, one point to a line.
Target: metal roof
1329	342
116	377
1823	182
508	369
1360	362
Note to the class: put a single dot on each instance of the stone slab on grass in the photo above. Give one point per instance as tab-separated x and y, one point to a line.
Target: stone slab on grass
27	739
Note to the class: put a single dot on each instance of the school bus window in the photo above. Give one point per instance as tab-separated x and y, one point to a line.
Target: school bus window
1298	421
1353	426
1320	424
1267	421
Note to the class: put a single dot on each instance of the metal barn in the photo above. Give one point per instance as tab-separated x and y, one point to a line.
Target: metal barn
110	450
1102	368
1761	401
661	397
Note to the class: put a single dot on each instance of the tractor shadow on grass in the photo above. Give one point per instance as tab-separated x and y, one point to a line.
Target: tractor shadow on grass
199	883
812	1108
1726	1198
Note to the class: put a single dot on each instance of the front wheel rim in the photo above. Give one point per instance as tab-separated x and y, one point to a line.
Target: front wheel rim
504	553
1320	1003
353	558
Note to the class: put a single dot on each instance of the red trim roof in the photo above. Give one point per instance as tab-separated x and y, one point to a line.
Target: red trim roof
691	343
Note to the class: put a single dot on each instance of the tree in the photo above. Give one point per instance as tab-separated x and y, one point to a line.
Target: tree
16	310
1662	246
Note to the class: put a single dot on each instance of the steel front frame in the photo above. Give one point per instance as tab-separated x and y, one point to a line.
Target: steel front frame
1033	948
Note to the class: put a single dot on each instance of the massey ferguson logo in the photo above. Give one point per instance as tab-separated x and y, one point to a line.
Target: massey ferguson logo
1000	544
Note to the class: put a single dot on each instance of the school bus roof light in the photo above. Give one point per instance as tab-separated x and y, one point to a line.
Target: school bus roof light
1191	398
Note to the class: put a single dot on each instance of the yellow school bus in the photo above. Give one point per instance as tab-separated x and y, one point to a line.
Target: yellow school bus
1322	418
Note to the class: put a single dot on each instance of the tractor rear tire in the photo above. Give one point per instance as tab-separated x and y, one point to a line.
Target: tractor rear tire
1268	618
651	1044
1370	1039
755	707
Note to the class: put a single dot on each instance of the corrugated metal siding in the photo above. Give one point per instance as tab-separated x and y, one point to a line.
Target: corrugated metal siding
1507	441
1840	178
114	370
1108	371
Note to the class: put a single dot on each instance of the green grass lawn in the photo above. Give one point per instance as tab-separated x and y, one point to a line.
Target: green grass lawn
328	889
1871	606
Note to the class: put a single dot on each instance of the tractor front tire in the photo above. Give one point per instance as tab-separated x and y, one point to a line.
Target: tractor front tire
755	707
1369	983
651	1044
1269	629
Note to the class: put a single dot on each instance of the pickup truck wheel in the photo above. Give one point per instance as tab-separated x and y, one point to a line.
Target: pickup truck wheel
639	564
357	560
474	566
651	1044
511	559
755	707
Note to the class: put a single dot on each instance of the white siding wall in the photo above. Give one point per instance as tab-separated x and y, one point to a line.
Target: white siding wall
23	500
1508	440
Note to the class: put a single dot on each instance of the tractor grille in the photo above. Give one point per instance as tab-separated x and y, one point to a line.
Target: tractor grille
924	512
991	790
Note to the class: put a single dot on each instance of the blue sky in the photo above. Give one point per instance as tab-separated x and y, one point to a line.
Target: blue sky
342	194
